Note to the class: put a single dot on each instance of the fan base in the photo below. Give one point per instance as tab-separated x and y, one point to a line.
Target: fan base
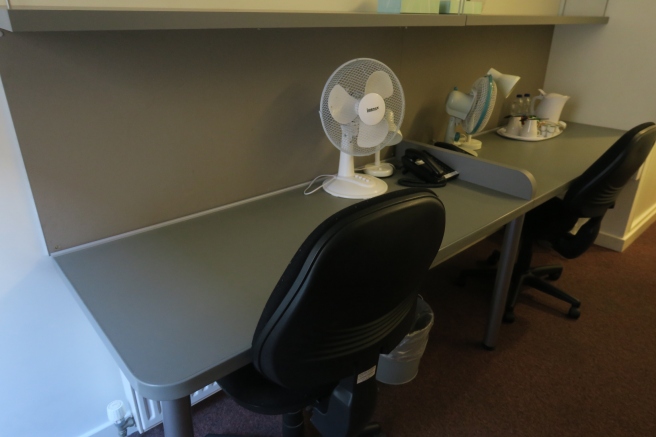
358	186
469	144
381	170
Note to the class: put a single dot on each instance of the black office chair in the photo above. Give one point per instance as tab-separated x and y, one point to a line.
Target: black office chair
348	295
589	196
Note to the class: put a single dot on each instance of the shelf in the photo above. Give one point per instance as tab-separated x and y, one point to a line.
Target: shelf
33	20
518	20
79	20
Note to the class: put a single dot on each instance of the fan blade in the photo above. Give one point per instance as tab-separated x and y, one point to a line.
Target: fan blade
380	83
389	116
349	134
485	95
372	136
342	105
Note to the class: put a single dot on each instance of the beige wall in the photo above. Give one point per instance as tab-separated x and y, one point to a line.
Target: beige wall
644	207
122	130
595	8
609	71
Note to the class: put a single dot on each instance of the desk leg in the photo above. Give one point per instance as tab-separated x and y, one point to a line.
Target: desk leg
502	282
177	418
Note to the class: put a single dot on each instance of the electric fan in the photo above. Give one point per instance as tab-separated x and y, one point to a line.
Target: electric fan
362	106
472	111
384	169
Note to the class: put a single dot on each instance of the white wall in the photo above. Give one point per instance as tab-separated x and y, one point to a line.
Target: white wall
609	70
56	377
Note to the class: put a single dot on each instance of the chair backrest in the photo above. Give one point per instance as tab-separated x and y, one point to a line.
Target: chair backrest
350	291
596	190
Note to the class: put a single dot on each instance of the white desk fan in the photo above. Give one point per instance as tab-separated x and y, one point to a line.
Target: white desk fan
362	106
472	111
384	169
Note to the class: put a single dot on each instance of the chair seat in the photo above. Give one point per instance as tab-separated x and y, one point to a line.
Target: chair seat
254	392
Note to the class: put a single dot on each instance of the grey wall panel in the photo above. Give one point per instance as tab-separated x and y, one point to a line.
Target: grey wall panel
121	130
437	59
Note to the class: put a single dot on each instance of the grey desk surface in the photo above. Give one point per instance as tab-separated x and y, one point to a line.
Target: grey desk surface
177	306
553	162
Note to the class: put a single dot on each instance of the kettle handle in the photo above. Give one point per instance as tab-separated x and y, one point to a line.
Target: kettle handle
540	97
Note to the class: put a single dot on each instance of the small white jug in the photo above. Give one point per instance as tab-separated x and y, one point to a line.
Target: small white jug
551	106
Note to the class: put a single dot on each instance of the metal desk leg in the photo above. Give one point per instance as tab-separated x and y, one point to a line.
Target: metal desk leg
502	281
177	418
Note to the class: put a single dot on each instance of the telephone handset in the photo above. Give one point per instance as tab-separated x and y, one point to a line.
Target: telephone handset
430	171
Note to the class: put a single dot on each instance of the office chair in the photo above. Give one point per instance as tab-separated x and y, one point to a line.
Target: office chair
348	295
589	196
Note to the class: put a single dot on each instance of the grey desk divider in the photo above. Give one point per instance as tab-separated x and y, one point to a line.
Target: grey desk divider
509	180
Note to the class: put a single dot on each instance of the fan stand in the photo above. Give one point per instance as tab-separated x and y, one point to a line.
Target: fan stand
469	143
351	185
379	169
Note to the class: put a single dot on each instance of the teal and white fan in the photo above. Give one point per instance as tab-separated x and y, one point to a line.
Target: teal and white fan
361	107
472	111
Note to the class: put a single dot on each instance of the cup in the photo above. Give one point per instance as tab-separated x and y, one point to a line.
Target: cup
514	126
551	130
530	129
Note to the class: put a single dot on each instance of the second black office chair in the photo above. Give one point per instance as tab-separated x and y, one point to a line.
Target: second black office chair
348	295
589	196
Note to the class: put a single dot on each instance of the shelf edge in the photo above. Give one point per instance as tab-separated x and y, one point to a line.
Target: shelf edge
92	20
518	20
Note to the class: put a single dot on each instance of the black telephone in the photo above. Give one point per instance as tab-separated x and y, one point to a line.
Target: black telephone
432	172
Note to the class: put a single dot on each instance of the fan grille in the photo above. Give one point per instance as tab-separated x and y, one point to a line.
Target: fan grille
352	76
485	95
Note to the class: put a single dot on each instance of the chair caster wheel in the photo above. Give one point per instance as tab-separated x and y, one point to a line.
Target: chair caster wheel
508	317
574	313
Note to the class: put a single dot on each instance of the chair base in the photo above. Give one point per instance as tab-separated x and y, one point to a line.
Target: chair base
292	426
343	411
533	277
372	430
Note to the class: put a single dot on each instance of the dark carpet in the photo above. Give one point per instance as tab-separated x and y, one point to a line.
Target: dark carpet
549	375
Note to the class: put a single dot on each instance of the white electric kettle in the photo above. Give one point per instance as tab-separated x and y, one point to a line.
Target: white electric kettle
551	106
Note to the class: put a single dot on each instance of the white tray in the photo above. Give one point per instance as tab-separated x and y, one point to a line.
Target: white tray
502	131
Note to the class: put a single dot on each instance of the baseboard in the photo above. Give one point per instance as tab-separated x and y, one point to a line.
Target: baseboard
619	244
106	430
609	241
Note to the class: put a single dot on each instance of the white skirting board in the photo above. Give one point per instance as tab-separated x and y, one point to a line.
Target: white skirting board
620	243
147	413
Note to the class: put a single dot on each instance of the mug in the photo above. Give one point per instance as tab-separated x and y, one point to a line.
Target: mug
530	129
514	126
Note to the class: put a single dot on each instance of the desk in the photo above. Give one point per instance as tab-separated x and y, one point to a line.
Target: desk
177	306
554	164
